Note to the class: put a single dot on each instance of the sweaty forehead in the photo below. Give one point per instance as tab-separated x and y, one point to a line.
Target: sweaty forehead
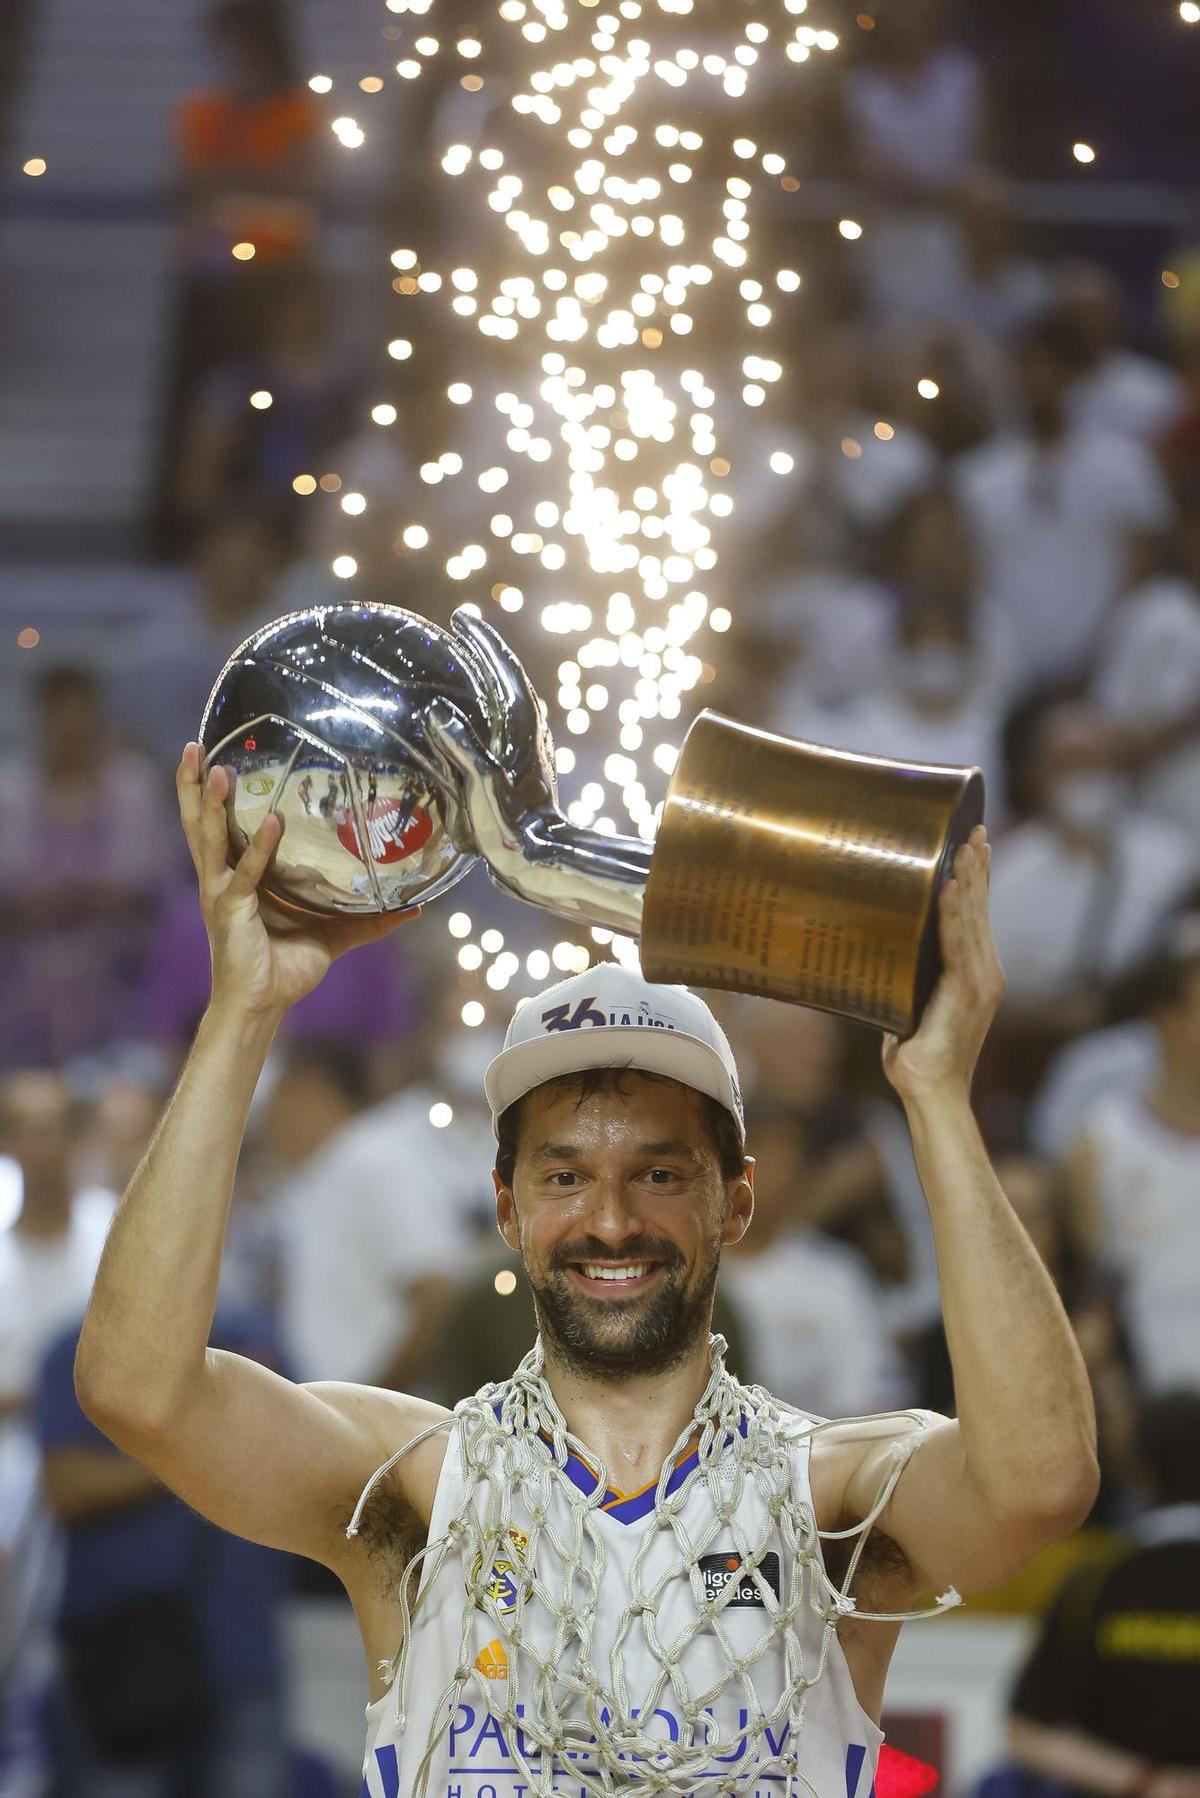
636	1114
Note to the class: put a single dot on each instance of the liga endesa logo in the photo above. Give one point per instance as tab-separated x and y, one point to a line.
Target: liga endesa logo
394	832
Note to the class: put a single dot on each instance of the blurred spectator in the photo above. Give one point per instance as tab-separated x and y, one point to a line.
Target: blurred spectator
927	554
165	672
950	384
1058	511
850	478
938	695
1116	389
83	847
828	633
368	1218
1147	682
995	291
1106	1701
1135	1174
1179	445
248	217
1123	1058
360	1235
809	1305
29	1562
246	143
168	1626
1080	890
1081	1073
50	1248
449	1066
1037	1191
914	119
793	1059
370	998
122	1116
936	703
242	456
835	634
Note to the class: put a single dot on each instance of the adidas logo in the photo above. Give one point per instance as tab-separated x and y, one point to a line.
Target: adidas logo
492	1661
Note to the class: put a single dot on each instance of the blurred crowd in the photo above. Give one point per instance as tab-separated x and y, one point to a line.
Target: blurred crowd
987	550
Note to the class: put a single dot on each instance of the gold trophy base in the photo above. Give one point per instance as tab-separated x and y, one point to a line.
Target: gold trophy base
804	873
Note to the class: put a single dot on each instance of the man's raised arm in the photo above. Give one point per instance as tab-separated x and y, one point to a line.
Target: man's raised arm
255	1453
1017	1469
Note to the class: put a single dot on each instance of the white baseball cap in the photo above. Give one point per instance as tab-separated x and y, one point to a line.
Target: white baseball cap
610	1017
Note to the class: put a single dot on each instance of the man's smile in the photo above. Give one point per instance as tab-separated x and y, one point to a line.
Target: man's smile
614	1279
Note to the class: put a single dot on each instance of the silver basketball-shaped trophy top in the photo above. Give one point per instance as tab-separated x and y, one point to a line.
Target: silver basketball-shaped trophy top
322	717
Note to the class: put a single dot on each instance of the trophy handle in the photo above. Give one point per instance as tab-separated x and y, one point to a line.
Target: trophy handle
804	873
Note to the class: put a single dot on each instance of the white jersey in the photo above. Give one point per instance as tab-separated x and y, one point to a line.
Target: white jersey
476	1756
1148	1186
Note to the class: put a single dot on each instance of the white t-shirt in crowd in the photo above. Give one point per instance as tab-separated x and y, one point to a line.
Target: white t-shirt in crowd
1000	307
914	1303
873	475
45	1284
1044	896
848	478
1149	673
809	1310
1128	393
380	1207
839	629
924	123
1148	1190
1054	529
1122	1059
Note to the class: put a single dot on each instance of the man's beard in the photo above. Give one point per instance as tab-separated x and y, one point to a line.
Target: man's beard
596	1338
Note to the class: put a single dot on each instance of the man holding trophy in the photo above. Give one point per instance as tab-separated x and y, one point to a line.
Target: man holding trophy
619	1570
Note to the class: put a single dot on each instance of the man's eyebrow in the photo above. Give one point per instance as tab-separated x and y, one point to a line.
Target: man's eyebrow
677	1147
555	1151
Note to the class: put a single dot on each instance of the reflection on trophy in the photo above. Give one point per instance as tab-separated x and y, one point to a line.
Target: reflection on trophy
321	716
397	753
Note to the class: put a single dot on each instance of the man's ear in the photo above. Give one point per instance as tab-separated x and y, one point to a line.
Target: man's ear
506	1213
739	1203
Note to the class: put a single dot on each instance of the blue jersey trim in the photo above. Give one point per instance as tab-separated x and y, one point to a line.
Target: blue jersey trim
625	1507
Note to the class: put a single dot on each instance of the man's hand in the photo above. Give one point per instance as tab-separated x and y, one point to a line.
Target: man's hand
263	958
941	1054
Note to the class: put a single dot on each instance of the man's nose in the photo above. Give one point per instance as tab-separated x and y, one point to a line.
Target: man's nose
614	1214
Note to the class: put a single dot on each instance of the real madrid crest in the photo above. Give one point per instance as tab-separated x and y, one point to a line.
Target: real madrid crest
498	1592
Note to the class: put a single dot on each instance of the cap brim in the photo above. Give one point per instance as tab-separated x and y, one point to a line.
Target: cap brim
671	1053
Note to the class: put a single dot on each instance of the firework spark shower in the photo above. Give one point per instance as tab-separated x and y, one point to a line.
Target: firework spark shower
612	323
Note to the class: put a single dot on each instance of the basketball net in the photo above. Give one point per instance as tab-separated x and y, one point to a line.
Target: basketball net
557	1701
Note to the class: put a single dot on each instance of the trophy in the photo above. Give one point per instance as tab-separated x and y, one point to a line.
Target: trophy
398	752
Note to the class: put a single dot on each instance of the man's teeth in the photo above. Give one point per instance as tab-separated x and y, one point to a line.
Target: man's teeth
596	1271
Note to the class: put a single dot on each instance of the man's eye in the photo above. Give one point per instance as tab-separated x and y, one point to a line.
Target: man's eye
564	1178
660	1176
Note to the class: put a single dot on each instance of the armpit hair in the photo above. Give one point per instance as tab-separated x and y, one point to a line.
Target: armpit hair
883	1571
390	1532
